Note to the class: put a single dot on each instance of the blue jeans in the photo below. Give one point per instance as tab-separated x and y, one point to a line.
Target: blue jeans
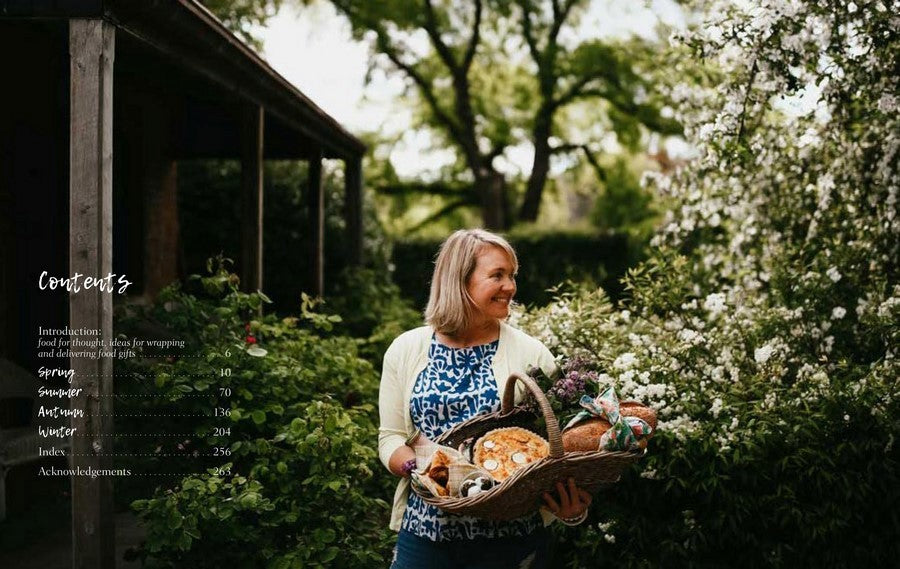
526	552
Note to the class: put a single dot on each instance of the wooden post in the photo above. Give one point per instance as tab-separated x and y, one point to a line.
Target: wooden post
158	185
353	196
252	199
315	202
91	52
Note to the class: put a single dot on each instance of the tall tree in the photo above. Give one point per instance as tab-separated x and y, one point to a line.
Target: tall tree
494	73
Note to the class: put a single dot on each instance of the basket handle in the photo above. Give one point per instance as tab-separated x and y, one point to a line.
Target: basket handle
509	401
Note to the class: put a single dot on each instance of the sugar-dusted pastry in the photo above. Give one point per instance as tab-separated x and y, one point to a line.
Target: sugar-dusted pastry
502	451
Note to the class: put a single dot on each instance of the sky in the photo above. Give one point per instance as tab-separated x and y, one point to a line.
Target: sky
312	47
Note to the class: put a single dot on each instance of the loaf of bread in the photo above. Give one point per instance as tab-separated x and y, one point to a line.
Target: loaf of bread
585	436
635	409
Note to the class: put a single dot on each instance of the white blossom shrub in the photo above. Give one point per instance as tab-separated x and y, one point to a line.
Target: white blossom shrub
764	327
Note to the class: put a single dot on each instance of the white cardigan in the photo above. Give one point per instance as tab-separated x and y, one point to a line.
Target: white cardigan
405	359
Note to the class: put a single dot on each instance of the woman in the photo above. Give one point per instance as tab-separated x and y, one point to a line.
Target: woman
441	374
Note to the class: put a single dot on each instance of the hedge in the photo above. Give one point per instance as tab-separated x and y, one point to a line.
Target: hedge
545	260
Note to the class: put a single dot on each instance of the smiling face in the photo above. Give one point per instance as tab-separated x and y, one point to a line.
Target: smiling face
492	284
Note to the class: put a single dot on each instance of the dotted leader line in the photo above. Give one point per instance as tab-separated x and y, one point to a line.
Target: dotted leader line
141	356
143	376
137	435
166	474
140	454
177	396
173	356
145	415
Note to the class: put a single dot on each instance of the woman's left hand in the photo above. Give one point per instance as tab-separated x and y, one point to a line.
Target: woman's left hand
573	501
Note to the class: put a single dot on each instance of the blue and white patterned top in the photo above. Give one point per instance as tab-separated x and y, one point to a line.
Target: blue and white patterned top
456	384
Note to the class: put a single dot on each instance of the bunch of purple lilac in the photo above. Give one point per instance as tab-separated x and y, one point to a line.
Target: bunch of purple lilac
576	375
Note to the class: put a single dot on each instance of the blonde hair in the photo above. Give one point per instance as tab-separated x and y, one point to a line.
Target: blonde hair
450	308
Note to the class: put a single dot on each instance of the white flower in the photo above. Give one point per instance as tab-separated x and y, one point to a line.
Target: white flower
887	103
715	303
689	336
833	274
625	361
762	355
716	407
838	312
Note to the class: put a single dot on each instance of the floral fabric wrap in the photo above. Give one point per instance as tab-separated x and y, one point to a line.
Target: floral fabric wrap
624	433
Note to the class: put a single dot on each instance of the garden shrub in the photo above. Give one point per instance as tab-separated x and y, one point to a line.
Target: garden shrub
625	206
763	327
371	309
297	478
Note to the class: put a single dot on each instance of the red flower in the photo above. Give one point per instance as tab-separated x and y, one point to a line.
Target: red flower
251	340
247	327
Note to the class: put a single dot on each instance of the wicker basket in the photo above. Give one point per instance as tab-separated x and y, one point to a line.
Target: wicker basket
520	494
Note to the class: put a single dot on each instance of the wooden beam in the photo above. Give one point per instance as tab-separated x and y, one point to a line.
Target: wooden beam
52	8
153	176
191	36
252	199
91	51
315	202
353	200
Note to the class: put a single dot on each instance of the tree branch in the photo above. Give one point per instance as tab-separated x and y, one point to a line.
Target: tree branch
433	189
750	81
474	40
453	205
562	148
444	52
528	32
576	90
465	136
424	86
560	15
592	160
496	151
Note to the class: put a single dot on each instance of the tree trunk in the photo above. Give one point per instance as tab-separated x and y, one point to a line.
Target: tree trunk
494	204
539	170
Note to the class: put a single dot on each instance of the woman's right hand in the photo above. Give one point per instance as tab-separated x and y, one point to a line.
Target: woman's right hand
419	445
401	456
